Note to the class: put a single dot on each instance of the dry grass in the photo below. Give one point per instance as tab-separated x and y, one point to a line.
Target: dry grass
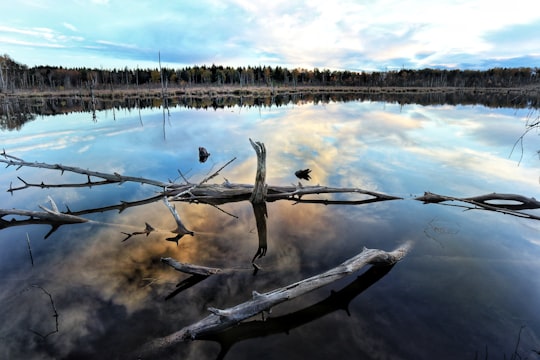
256	91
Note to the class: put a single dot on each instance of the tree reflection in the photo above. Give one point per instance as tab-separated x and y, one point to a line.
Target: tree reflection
17	110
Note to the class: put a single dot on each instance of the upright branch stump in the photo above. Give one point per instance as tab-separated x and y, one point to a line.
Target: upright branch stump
258	195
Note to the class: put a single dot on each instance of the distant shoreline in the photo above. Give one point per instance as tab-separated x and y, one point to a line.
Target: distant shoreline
257	91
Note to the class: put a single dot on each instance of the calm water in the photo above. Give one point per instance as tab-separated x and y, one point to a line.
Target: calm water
469	284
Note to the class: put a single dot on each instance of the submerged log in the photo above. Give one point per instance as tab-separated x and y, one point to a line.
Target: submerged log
221	319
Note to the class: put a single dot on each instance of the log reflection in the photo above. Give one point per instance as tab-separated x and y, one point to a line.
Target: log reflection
261	214
338	300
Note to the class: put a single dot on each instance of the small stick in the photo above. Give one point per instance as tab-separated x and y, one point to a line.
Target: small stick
29	249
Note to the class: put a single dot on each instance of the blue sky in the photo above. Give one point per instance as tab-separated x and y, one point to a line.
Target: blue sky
343	35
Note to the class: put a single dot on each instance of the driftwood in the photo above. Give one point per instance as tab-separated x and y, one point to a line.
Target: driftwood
202	192
52	217
259	189
198	273
221	319
503	203
337	300
109	178
190	268
180	230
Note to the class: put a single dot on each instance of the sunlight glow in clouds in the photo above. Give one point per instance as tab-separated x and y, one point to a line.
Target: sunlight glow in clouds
350	34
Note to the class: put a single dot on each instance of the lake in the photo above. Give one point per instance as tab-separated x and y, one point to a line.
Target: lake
468	288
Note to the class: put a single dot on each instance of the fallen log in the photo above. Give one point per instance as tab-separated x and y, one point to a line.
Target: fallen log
503	203
221	319
337	301
226	192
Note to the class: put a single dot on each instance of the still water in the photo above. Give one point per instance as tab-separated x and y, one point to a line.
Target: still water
469	288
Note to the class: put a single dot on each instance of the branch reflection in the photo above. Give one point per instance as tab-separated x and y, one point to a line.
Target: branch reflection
338	300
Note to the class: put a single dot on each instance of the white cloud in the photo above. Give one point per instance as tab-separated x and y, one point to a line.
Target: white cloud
350	34
70	26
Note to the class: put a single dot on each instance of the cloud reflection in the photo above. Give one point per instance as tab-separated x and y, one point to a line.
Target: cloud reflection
105	288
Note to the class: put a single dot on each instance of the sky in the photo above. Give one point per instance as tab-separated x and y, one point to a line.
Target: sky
355	35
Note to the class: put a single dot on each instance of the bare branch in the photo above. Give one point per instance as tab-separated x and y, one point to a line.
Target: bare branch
113	178
180	228
55	314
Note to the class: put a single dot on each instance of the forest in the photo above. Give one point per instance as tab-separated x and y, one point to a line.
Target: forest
19	77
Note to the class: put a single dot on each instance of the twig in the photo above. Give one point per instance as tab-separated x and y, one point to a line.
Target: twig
216	172
29	249
180	228
187	191
55	314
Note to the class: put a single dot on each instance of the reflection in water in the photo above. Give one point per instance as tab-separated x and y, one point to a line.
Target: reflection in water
16	111
338	300
470	283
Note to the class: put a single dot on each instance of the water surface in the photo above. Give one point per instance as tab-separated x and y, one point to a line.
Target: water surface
469	286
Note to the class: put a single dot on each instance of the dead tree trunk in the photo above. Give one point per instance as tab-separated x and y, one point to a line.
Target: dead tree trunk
259	189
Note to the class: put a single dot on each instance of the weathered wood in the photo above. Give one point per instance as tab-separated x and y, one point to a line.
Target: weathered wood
483	202
202	192
221	319
111	178
55	217
52	217
338	300
259	189
180	227
230	192
524	202
190	268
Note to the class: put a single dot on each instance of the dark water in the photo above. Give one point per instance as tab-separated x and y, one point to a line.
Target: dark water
469	288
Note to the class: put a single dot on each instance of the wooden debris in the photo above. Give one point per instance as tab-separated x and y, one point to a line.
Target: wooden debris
503	203
190	268
112	178
259	189
221	319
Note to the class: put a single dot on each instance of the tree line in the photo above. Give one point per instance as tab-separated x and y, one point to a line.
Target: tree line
15	76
